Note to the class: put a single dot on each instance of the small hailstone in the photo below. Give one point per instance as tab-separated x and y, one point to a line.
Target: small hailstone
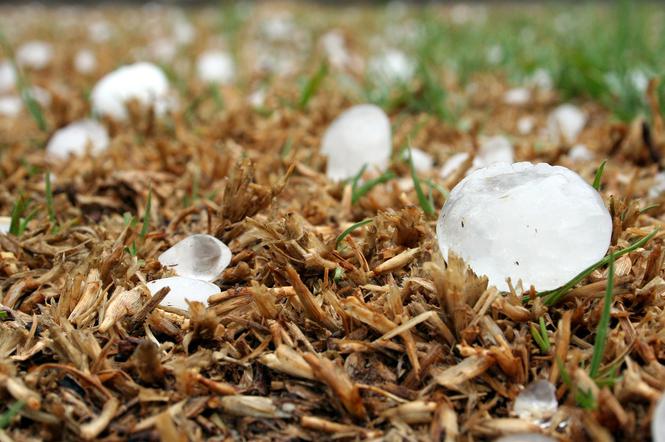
359	136
257	98
183	290
34	54
5	223
537	401
535	222
201	257
658	186
542	79
658	421
85	61
142	81
392	65
525	124
163	49
566	122
452	164
42	96
10	106
215	66
580	153
75	138
278	27
525	437
183	31
518	96
492	150
335	49
100	31
422	161
7	76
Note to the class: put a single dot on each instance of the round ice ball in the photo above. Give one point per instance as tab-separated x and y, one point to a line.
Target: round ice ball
535	222
359	136
74	138
143	82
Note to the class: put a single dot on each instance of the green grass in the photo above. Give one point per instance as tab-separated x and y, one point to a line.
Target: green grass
49	203
425	203
599	175
312	85
20	216
360	190
146	216
351	228
541	337
12	410
604	323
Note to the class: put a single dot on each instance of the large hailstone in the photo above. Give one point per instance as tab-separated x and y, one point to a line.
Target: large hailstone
75	138
141	81
359	136
535	222
565	123
215	66
183	290
201	257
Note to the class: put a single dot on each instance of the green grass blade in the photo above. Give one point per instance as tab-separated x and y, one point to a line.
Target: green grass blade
551	297
544	335
427	207
599	175
146	216
604	323
49	203
13	410
312	86
538	338
359	192
356	179
351	228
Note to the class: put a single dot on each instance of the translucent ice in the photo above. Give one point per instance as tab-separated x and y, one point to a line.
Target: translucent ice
201	257
142	81
359	136
658	421
535	222
183	289
75	138
565	123
215	66
34	54
537	401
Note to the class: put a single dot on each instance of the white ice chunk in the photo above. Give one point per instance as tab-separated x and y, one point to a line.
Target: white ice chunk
7	76
34	54
5	223
335	48
10	106
492	150
85	61
141	81
518	96
75	138
201	257
658	186
392	66
257	99
215	66
658	421
579	153
565	123
535	222
183	289
537	401
452	164
422	161
359	136
525	124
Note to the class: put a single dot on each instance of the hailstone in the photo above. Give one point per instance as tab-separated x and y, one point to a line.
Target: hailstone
10	106
215	67
392	66
85	61
35	54
5	223
201	257
359	136
535	222
141	81
75	138
422	161
537	401
491	150
565	123
183	290
7	76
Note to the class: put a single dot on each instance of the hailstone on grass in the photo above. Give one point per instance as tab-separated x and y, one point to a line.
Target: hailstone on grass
392	66
7	76
537	401
422	161
359	136
5	223
85	61
183	290
565	123
76	137
579	153
215	66
10	106
143	82
518	96
535	222
525	124
201	257
35	54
